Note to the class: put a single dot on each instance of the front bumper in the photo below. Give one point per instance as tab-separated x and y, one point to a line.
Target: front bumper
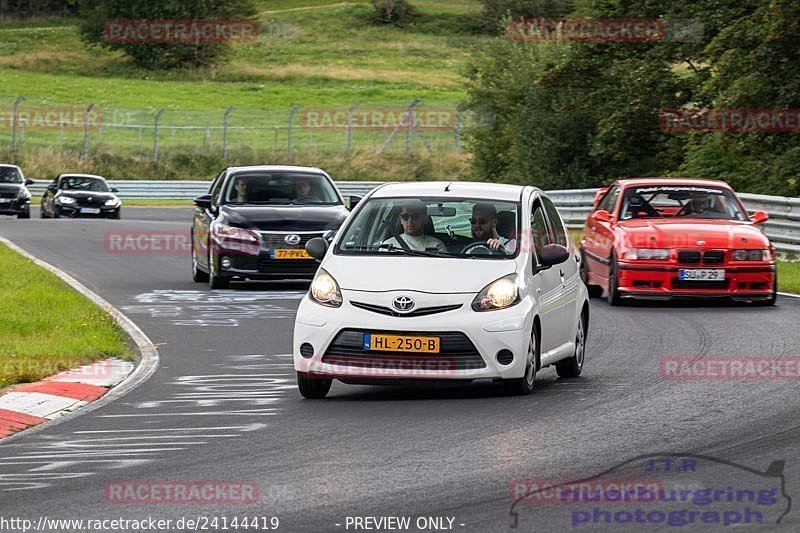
746	282
470	341
261	267
74	210
15	207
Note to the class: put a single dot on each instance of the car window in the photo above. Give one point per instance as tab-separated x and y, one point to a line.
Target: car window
10	175
680	201
539	234
453	227
609	201
558	233
83	183
279	188
216	187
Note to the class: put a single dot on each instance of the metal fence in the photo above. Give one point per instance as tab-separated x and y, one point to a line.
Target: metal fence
783	226
243	132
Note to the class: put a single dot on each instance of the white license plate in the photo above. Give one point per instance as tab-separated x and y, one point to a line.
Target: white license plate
693	274
90	210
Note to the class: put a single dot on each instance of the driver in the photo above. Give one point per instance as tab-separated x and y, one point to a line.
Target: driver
302	191
240	187
699	205
413	218
484	227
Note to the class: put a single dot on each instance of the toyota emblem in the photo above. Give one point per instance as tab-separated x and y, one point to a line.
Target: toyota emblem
403	303
292	239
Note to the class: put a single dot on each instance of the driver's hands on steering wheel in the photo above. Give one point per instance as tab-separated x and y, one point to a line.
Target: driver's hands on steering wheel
495	244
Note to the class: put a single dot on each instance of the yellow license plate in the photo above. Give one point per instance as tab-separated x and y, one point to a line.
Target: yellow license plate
290	254
401	343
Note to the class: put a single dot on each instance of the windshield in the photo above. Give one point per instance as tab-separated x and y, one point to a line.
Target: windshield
83	183
681	201
10	175
438	227
282	188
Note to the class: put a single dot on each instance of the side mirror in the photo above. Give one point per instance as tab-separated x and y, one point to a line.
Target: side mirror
317	248
29	181
759	217
114	189
203	201
602	216
552	254
354	201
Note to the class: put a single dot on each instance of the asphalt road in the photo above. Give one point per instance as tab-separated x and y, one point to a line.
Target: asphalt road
223	406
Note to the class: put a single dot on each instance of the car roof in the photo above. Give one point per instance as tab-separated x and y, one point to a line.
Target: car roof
276	168
8	165
639	182
71	175
458	189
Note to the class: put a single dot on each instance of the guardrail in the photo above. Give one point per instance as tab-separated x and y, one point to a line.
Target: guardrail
783	226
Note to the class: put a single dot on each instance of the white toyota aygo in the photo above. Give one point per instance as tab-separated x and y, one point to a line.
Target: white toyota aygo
443	281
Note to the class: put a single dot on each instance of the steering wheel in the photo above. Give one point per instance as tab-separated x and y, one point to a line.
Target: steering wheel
481	248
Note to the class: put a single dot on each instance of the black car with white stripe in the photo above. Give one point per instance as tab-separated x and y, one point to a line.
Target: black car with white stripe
254	222
15	198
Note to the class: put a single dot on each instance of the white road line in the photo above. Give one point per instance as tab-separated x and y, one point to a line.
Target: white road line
39	404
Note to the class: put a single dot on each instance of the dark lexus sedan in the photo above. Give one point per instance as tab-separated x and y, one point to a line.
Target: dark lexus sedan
255	221
80	195
15	198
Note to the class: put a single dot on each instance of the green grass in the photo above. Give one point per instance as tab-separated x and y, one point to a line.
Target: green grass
789	277
47	327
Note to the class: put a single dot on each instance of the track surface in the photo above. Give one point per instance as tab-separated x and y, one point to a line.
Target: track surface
223	406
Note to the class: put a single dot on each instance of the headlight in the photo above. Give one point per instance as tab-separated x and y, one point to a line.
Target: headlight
66	200
751	255
24	196
648	254
112	202
499	294
325	290
239	234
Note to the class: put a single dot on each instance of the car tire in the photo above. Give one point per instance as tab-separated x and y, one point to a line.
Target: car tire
526	384
313	388
198	276
56	212
214	281
572	367
116	215
24	214
595	291
612	294
43	212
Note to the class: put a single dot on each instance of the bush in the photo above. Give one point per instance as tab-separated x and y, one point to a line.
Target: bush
157	55
494	11
388	11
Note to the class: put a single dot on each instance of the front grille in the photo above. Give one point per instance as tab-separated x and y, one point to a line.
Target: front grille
94	202
276	240
712	285
422	311
689	257
8	195
300	267
714	257
456	352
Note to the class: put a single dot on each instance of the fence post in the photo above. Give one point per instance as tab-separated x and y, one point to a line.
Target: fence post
350	128
155	133
86	131
225	132
289	131
15	124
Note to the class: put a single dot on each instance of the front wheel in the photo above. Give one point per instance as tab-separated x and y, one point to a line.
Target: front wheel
613	296
595	291
42	212
311	387
198	276
525	384
24	214
572	367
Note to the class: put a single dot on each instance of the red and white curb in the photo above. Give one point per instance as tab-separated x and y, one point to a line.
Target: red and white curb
64	396
31	404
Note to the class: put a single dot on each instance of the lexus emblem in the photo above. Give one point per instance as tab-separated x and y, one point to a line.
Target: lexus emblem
403	303
91	198
292	239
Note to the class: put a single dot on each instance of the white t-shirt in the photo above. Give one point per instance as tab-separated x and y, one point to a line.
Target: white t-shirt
419	243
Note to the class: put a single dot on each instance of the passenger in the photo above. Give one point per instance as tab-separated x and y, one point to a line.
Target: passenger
413	219
484	228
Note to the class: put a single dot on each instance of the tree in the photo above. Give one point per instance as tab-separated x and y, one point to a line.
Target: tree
388	11
156	55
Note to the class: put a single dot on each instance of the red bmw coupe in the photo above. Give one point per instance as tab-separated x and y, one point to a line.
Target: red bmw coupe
661	238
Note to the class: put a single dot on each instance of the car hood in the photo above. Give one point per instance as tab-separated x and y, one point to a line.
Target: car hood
692	233
284	218
87	194
11	187
435	275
